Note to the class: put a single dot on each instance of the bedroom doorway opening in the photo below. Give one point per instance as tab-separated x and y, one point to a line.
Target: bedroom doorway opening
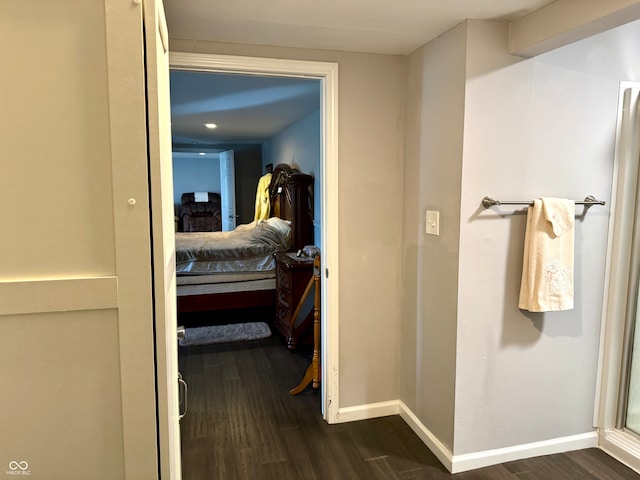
326	192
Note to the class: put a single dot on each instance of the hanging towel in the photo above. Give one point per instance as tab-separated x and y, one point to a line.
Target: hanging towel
262	198
201	196
547	266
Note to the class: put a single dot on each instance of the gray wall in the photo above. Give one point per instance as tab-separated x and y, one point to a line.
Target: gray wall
545	132
299	146
433	320
195	173
538	127
432	181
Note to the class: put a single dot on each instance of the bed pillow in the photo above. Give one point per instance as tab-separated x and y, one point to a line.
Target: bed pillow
283	226
246	226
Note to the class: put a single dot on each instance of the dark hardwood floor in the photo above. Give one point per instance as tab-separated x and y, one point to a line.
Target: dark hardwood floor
243	424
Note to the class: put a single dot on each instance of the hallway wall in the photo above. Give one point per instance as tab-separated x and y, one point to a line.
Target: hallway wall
532	127
370	150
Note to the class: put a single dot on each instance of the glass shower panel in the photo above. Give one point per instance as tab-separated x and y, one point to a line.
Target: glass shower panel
630	383
633	399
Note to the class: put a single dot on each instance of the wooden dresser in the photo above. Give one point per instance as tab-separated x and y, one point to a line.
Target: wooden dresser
292	277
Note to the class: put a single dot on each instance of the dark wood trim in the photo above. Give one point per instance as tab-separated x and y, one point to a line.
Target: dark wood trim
224	301
291	198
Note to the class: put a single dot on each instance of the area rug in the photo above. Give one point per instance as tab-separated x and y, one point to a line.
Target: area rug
236	332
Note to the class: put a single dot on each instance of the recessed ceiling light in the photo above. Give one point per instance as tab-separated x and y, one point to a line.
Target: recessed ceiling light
202	153
210	125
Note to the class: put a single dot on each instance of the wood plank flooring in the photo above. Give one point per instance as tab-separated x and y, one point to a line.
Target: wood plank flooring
243	424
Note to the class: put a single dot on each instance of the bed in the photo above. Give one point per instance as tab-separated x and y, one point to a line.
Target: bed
230	270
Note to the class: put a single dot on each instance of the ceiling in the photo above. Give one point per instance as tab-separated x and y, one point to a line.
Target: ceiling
252	109
375	26
246	109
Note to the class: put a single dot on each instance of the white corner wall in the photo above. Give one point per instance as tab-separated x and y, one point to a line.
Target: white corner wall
539	127
432	181
524	383
533	128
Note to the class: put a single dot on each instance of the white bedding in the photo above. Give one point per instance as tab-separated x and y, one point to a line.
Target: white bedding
249	248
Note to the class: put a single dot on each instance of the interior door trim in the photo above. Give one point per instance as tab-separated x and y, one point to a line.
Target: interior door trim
327	73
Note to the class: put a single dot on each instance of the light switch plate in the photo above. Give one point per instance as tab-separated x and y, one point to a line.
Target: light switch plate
433	223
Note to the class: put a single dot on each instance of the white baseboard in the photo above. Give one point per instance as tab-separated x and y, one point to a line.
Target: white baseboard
469	461
367	411
429	439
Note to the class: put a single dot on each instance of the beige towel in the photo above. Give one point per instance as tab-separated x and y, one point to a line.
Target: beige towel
263	205
547	266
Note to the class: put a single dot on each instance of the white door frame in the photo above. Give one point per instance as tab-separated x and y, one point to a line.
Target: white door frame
163	239
228	190
327	73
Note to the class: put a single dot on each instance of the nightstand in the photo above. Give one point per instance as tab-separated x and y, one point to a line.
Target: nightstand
292	277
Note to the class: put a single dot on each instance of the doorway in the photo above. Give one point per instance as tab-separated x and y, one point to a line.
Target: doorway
327	74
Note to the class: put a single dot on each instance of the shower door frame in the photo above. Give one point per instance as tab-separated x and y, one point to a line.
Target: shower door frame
620	306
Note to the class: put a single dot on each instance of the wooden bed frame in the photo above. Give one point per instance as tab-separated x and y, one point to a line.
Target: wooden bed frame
291	198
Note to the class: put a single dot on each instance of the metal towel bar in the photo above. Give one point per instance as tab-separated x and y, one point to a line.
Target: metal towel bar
488	202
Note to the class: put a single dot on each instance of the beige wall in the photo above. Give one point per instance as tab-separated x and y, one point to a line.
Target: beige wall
370	153
76	324
59	368
35	135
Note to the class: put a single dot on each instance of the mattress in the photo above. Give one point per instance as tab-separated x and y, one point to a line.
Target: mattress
237	277
248	248
226	287
255	264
